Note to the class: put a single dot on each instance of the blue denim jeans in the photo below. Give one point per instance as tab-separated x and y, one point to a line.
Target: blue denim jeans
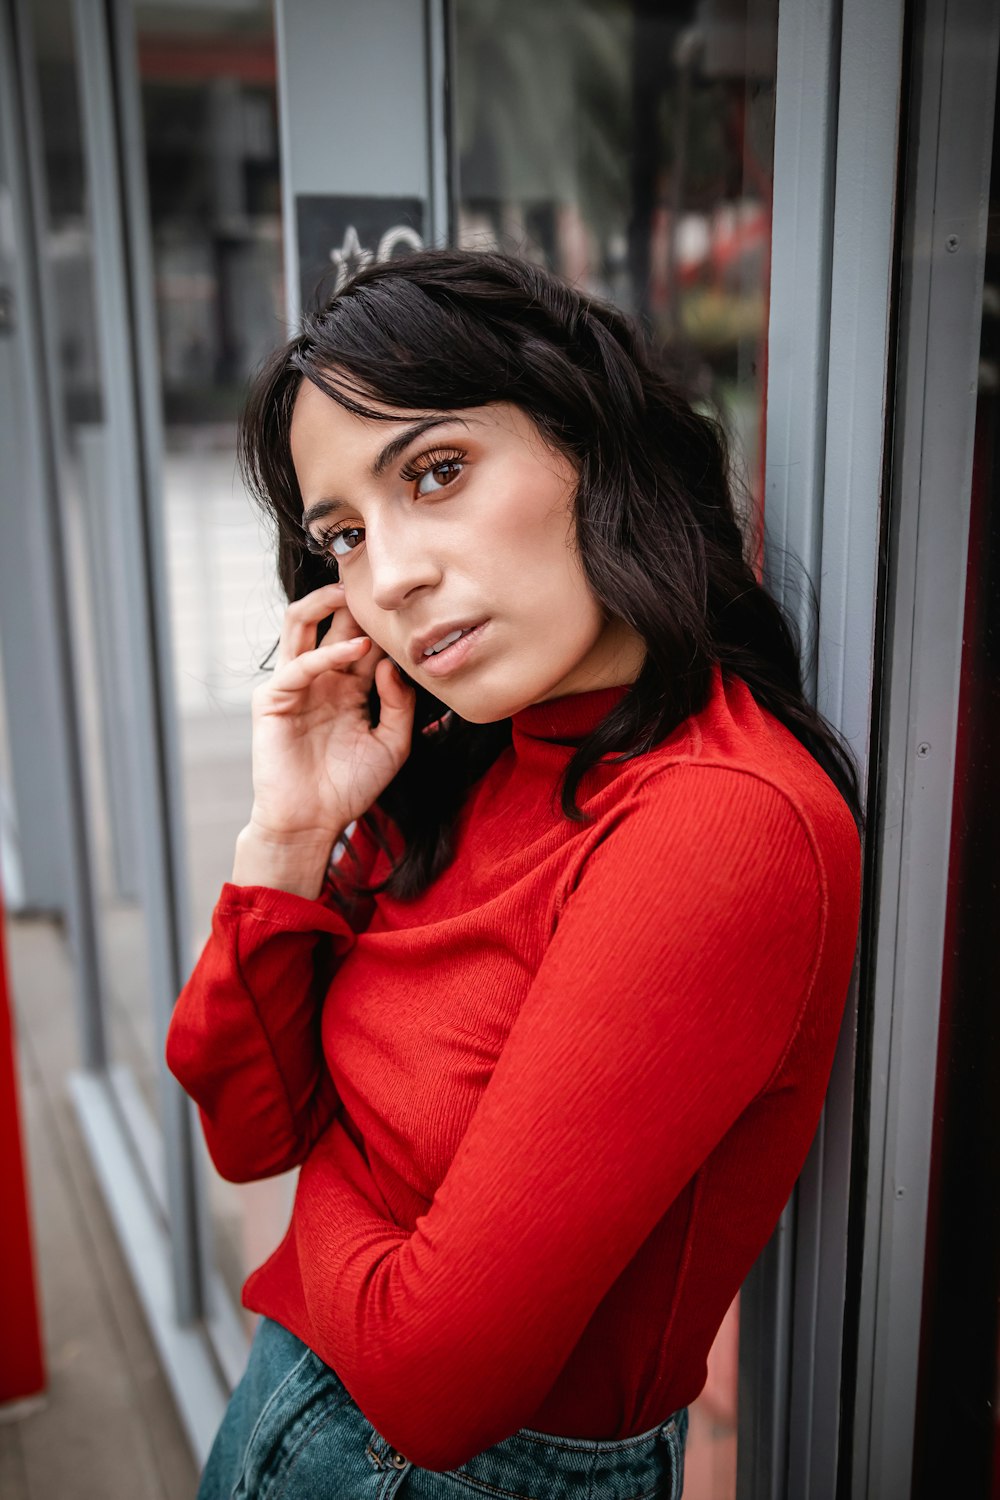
292	1432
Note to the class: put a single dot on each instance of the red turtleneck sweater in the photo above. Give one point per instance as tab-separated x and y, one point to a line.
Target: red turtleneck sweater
548	1113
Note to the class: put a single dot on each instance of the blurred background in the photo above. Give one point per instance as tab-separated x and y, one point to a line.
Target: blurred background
178	181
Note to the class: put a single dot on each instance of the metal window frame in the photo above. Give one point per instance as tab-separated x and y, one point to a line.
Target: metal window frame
838	97
944	237
798	354
862	295
438	22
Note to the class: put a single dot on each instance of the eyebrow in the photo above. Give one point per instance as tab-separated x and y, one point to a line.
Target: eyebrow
392	450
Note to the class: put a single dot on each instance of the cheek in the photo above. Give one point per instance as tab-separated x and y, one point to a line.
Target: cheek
532	528
358	600
553	555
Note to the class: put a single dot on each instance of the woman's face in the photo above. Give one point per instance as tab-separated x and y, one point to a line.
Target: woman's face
444	522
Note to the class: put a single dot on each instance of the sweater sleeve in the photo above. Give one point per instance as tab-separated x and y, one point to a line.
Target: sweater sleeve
678	974
244	1039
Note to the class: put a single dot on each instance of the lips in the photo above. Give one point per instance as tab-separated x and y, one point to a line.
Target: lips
453	658
437	634
449	640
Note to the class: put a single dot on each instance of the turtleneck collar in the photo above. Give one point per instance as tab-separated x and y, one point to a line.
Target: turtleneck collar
564	720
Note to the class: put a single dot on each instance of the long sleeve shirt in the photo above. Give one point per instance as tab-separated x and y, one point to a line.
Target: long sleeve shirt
547	1113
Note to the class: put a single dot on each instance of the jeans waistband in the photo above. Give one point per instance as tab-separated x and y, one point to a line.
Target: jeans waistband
530	1463
293	1428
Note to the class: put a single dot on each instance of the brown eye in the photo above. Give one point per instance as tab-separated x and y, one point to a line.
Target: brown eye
442	474
329	544
344	541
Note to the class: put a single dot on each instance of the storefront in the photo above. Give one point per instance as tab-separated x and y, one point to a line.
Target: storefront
797	199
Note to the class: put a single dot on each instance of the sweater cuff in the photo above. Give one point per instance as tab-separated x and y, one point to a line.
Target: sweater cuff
281	909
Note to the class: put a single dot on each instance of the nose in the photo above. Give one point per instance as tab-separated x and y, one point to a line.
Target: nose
399	565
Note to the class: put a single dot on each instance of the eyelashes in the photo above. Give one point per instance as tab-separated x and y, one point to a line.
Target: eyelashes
325	545
426	463
429	462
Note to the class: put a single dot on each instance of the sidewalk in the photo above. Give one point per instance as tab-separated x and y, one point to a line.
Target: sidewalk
106	1429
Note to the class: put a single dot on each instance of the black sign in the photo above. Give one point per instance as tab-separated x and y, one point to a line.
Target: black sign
339	235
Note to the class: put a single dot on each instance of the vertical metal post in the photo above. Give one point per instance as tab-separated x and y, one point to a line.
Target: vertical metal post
950	146
805	145
837	122
861	292
106	564
798	350
128	371
34	597
440	155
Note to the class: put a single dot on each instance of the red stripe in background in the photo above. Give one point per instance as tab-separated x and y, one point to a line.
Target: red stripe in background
22	1367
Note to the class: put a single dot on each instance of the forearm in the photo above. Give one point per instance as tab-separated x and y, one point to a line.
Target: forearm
244	1039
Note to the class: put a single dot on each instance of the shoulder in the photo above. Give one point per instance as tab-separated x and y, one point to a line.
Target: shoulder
737	763
735	803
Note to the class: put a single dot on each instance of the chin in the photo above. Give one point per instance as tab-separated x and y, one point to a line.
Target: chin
478	712
490	717
490	708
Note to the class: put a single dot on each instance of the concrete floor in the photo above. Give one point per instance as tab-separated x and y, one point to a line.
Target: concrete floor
106	1428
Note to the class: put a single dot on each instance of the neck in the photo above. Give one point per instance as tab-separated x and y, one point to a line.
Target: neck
615	662
566	719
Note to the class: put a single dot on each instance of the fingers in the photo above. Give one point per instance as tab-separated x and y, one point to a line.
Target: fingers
298	628
292	676
397	700
343	625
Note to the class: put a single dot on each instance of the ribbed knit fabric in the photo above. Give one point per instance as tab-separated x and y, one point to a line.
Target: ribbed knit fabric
548	1113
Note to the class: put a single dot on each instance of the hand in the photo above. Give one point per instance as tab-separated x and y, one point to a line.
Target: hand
317	762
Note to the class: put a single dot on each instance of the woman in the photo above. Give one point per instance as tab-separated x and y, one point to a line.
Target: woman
549	1033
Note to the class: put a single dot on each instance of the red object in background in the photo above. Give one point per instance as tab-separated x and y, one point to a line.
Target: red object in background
22	1368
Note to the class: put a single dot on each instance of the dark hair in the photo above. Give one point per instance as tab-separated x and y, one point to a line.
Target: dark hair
656	524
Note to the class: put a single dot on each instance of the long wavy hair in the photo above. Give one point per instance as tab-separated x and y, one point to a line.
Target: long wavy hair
657	527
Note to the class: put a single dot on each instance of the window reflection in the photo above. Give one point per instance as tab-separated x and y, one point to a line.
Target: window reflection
629	146
209	112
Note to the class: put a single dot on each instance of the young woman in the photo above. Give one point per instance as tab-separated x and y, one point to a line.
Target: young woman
540	928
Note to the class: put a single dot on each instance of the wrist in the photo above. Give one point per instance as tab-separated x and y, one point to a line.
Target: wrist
296	863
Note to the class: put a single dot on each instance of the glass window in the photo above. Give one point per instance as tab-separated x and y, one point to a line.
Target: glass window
93	548
207	76
630	147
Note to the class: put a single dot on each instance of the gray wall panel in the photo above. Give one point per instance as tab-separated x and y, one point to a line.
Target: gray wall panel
354	107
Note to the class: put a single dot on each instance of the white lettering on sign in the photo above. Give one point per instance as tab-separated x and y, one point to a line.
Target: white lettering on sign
400	234
352	256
